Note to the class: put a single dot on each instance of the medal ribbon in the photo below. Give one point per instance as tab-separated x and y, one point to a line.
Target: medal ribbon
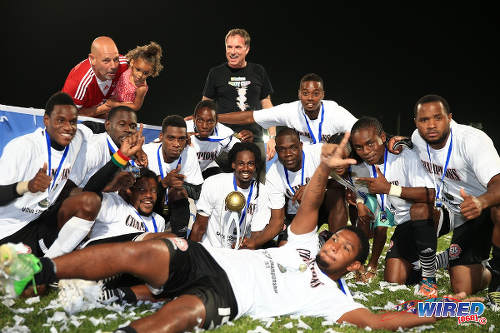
144	222
161	170
438	188
313	138
382	196
49	152
301	177
248	198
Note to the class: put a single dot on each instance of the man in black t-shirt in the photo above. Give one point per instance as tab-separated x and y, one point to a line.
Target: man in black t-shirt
238	85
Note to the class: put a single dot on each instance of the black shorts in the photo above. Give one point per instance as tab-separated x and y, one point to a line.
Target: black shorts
193	271
40	233
470	244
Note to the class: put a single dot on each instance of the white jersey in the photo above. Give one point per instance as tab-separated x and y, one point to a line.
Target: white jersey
283	183
332	119
268	283
22	158
93	156
117	217
473	162
403	170
220	233
190	167
208	149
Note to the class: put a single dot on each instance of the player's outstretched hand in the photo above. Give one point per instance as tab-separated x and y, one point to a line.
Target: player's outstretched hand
133	143
331	154
41	181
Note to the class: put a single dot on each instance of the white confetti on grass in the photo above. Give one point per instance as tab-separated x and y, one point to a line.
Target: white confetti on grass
303	325
8	302
16	329
258	329
18	320
288	325
33	300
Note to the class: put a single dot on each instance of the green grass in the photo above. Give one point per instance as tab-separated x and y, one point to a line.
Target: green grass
39	318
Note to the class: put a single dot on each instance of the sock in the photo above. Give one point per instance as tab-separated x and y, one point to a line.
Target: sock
426	242
70	235
121	294
126	329
48	272
442	259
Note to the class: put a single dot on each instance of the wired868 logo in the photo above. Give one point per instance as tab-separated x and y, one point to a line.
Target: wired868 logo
444	307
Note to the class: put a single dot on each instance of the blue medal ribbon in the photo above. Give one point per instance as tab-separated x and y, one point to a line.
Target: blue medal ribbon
160	167
301	177
313	138
248	198
382	196
144	222
49	152
438	188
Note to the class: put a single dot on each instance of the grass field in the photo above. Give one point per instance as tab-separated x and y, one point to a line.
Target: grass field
43	314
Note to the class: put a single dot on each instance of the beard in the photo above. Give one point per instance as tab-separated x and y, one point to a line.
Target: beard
321	264
441	140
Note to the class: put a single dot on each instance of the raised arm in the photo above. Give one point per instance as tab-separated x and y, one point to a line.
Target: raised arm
238	118
307	215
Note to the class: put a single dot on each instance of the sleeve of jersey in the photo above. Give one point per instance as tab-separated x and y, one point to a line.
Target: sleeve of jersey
72	86
205	203
309	241
275	116
276	195
263	213
341	306
107	210
209	89
192	169
482	156
14	162
348	118
267	88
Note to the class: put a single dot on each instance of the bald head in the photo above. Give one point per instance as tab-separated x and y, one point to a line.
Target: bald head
104	58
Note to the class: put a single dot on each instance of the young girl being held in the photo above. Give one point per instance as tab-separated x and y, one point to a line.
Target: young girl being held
131	88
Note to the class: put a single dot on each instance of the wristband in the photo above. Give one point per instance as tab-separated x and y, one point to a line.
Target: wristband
395	190
119	159
22	187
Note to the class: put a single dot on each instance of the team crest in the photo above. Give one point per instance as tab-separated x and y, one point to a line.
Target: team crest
179	243
454	251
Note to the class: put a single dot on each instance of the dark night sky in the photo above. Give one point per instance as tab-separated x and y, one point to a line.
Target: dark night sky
376	59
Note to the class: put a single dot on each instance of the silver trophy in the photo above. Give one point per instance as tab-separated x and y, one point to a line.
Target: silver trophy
233	232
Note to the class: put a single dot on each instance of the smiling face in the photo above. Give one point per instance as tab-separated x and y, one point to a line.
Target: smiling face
143	195
121	125
369	145
289	149
338	254
244	167
433	123
236	51
205	121
310	94
61	124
